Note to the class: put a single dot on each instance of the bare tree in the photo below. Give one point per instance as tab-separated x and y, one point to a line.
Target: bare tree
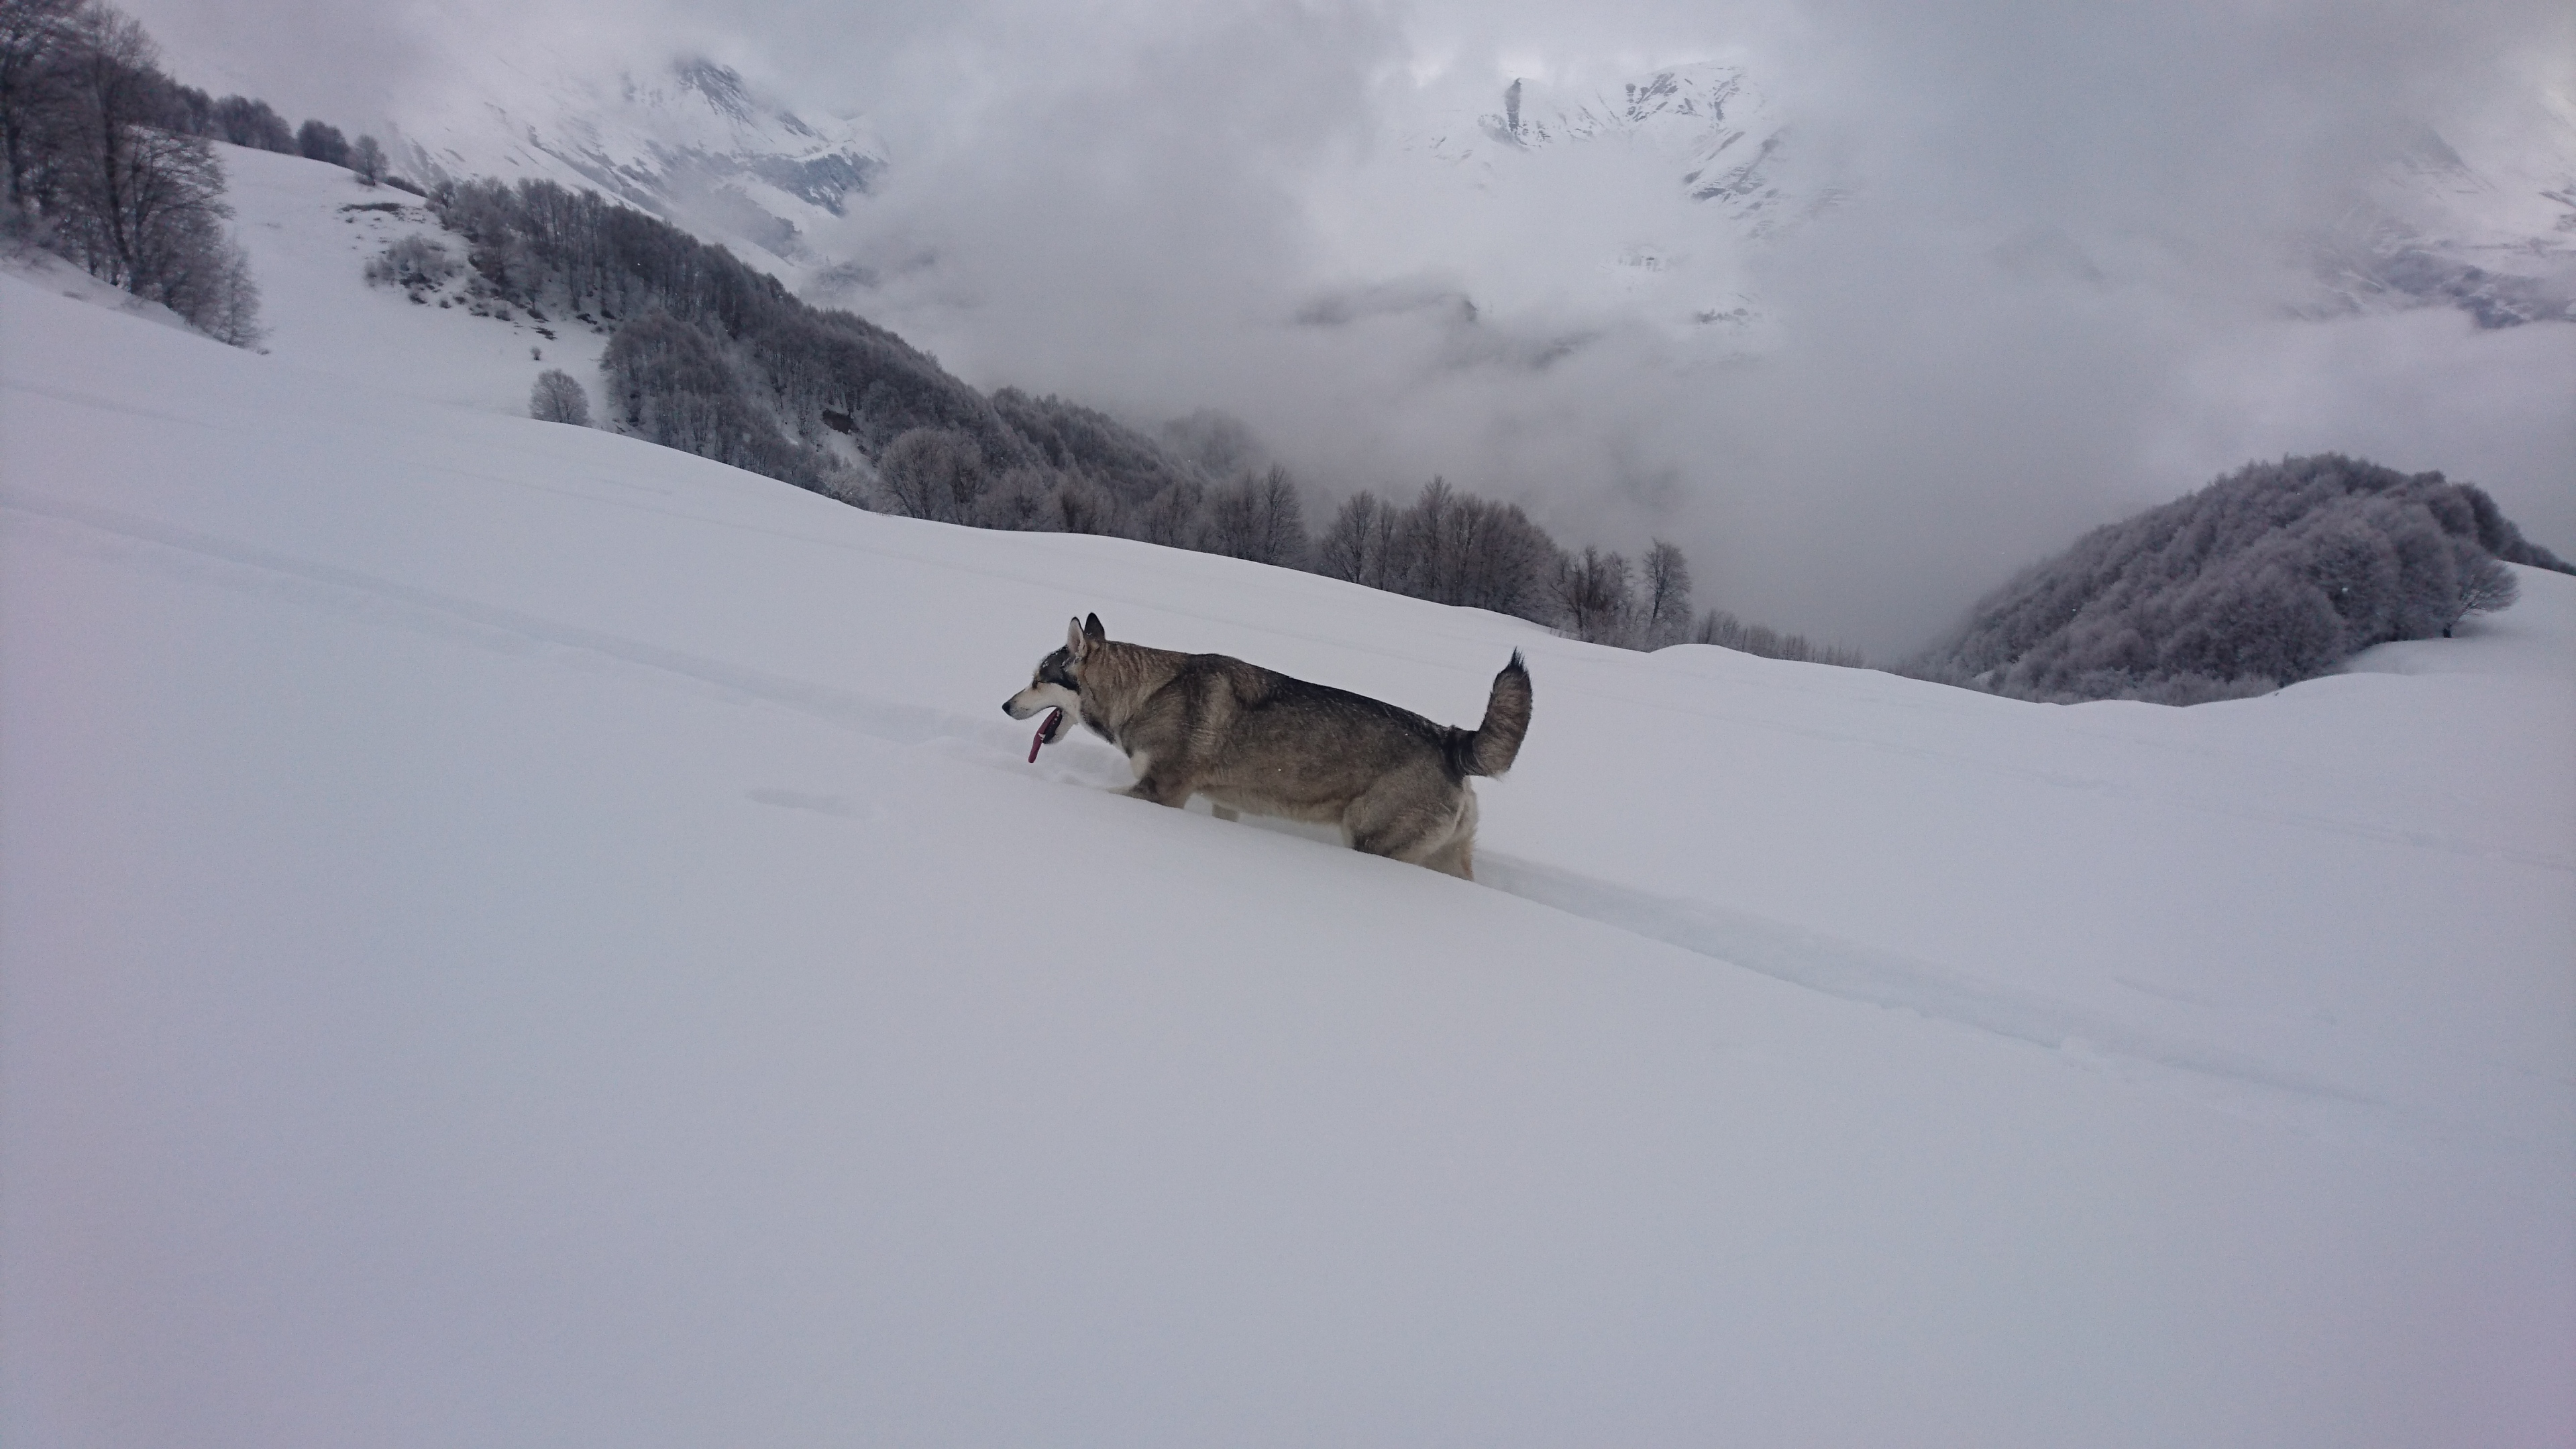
113	190
1258	517
1665	605
1502	559
1433	551
1592	591
1359	544
2486	586
138	205
368	160
558	398
32	36
1085	506
208	281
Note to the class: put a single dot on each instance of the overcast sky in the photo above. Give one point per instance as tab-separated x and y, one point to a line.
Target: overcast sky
1130	202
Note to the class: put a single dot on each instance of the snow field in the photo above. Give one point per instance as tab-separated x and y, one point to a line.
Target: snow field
510	934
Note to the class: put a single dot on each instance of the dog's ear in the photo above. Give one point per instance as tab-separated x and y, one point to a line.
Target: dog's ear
1074	643
1091	626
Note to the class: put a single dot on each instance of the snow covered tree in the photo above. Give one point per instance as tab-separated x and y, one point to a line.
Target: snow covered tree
931	473
1021	500
2269	575
1219	444
1174	517
1083	506
558	398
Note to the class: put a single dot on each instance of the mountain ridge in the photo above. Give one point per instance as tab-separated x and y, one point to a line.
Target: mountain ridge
691	142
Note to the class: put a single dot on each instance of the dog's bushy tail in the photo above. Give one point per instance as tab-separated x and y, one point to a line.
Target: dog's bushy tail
1493	745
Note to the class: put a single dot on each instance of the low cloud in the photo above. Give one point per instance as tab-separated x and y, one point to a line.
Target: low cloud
2056	292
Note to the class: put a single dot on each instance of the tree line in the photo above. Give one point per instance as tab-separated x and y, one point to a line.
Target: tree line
712	356
107	161
2275	573
101	163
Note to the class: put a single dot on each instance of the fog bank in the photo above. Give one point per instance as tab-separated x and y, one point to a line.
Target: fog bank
2048	278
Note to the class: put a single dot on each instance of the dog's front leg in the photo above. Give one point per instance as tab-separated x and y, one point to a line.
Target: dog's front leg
1156	779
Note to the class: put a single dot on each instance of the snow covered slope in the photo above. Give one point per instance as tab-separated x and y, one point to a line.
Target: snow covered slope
2489	229
508	934
690	143
311	229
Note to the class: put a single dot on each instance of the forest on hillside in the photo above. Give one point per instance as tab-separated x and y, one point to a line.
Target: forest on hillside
106	161
2275	573
715	357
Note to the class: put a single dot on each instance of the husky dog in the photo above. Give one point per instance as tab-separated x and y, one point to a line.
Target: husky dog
1252	739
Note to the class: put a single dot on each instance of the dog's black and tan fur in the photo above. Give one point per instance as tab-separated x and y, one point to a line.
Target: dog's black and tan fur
1252	739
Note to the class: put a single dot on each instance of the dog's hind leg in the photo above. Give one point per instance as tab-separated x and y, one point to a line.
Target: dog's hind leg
1415	831
1399	832
1456	855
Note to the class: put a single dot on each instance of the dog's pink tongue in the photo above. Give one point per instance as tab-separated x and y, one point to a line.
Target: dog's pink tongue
1046	732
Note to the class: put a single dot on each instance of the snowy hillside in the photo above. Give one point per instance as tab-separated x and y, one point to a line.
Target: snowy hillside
1566	206
311	229
508	934
2482	218
691	144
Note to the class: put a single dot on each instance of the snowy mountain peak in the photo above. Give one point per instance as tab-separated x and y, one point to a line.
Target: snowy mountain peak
1691	99
2487	225
718	85
2478	214
1709	122
691	142
1698	155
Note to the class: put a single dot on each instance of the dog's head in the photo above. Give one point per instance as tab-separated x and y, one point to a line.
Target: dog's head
1057	682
